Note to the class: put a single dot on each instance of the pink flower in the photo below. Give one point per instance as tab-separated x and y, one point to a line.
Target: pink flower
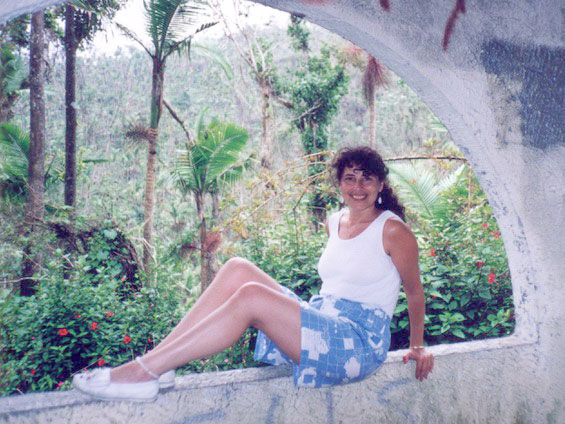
485	225
496	235
101	362
62	332
109	314
432	252
59	384
127	339
93	325
32	372
491	277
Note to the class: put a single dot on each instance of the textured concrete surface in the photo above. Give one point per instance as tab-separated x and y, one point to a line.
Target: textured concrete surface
500	90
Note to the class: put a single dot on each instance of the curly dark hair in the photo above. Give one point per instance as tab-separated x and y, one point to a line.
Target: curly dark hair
369	161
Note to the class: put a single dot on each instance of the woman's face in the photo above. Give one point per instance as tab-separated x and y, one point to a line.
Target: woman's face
359	189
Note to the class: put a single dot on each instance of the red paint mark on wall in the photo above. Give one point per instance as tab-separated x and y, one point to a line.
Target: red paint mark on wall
457	10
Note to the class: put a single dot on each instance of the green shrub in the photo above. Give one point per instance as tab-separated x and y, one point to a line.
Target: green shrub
72	324
464	272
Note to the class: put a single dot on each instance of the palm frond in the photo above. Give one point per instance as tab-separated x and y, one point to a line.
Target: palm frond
216	56
418	186
422	190
14	153
199	123
451	179
183	47
186	173
168	22
15	73
437	125
215	159
83	5
225	143
133	36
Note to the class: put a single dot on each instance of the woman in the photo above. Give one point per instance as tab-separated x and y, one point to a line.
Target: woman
340	336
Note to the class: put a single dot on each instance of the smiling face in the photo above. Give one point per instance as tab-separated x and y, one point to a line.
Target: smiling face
359	189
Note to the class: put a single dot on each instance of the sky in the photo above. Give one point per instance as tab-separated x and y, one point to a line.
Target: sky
132	16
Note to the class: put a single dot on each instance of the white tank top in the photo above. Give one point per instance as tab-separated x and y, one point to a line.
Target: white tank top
359	269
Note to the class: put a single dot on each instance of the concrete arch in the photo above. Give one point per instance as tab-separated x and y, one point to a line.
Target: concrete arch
500	90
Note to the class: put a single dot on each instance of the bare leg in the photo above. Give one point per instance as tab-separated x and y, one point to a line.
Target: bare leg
253	304
231	276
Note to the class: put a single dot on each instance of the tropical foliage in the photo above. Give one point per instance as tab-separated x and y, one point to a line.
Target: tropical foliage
168	22
14	151
95	306
206	167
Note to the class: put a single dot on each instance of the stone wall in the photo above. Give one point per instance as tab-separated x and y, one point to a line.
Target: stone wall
500	90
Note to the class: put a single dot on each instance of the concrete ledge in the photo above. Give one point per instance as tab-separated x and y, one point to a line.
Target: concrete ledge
232	396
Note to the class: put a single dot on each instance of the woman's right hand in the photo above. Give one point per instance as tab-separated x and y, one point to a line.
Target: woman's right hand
424	361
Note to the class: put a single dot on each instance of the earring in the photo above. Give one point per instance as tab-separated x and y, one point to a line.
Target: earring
380	199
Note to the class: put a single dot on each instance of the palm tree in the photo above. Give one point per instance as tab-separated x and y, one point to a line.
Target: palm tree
205	167
36	164
82	20
168	22
373	78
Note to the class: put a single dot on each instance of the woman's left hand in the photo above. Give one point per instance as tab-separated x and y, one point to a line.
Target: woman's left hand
424	362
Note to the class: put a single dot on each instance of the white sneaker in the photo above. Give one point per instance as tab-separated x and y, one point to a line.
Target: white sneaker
167	380
97	384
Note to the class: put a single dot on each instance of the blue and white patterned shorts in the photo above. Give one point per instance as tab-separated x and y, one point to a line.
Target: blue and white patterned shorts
342	341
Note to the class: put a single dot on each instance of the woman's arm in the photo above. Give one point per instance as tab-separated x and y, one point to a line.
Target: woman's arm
401	245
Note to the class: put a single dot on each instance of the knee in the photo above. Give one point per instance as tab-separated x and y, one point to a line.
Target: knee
238	264
251	297
251	291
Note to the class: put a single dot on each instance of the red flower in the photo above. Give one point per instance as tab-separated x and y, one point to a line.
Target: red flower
485	225
109	314
491	277
77	316
149	340
59	384
127	339
101	362
62	332
93	325
124	278
480	264
496	235
32	372
432	252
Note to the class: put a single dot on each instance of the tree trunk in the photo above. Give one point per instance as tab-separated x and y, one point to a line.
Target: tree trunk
372	123
266	136
6	104
211	262
156	109
71	121
204	277
36	166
